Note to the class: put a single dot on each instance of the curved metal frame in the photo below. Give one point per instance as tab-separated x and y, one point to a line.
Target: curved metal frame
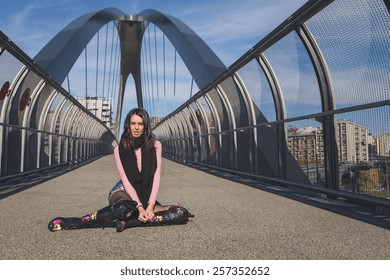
41	126
252	156
232	127
326	91
207	128
280	110
218	130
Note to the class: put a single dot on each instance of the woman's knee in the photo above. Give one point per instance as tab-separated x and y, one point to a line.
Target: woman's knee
159	208
119	195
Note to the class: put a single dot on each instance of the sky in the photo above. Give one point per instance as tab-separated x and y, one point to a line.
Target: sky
229	27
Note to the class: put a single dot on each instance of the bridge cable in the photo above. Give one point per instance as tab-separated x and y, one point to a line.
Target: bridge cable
151	70
148	63
97	69
146	74
97	62
164	74
86	77
143	87
117	68
192	84
109	93
155	48
174	84
104	64
144	79
114	82
67	79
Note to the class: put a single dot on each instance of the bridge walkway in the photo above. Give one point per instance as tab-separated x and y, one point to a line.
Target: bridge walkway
233	220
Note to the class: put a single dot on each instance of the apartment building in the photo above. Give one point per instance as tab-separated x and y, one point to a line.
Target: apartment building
100	107
352	141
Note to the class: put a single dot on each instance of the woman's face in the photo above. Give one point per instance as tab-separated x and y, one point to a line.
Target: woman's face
136	126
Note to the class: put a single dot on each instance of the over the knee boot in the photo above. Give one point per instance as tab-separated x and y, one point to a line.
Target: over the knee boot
174	215
104	217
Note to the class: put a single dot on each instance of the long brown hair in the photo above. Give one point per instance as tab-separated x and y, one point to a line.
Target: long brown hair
128	140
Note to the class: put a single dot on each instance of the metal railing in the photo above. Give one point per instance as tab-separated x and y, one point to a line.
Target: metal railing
41	125
308	106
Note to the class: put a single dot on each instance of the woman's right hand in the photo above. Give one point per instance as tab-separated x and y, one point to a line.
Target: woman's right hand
142	215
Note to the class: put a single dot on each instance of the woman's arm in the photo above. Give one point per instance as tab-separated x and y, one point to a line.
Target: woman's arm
157	175
128	187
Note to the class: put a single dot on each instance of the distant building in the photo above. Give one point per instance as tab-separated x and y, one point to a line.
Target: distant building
384	145
100	107
372	146
306	144
154	121
352	141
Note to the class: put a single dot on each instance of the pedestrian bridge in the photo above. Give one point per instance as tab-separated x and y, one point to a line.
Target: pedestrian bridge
283	154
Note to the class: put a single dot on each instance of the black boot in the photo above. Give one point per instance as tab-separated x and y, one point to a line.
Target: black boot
174	215
104	217
124	209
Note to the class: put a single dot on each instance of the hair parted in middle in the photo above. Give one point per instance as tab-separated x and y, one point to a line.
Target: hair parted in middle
127	138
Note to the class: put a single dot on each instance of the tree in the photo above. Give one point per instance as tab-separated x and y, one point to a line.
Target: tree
368	180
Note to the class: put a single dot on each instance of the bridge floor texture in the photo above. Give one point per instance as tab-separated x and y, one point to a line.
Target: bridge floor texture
232	221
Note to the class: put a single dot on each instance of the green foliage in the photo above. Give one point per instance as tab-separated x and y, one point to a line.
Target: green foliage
368	180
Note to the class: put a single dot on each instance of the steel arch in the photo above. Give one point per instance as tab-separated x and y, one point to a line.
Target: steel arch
59	55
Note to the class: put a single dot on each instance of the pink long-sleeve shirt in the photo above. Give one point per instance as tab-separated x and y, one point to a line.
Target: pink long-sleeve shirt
157	175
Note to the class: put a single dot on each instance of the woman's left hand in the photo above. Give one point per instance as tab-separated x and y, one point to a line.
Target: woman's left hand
149	212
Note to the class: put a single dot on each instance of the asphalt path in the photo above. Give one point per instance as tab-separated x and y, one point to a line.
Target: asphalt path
233	220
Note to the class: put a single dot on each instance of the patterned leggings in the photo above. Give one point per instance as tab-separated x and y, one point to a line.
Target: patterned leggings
121	214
